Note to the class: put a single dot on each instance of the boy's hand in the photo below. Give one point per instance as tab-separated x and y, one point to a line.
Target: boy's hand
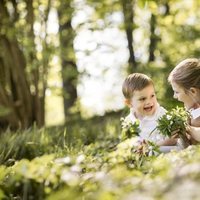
175	134
168	142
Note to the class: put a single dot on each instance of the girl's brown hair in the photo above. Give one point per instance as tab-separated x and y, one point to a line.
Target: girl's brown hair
186	73
135	81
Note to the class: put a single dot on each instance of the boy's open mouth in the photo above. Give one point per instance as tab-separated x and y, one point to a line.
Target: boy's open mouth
148	109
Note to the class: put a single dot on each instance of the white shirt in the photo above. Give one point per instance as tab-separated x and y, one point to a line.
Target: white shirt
148	124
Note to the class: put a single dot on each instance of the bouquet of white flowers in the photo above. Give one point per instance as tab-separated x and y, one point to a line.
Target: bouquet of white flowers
174	121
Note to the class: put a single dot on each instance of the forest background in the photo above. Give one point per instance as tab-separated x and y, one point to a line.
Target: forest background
61	60
62	64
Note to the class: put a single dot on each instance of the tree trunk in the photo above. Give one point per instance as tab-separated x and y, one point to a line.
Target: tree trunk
39	82
69	67
18	85
128	12
21	106
153	38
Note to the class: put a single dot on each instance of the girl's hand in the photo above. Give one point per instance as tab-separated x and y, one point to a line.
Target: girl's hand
193	132
189	137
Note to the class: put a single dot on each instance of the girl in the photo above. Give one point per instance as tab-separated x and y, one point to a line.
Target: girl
185	81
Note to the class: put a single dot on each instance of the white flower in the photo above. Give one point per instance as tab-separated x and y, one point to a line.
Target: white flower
65	160
100	175
168	117
70	178
76	168
128	143
80	159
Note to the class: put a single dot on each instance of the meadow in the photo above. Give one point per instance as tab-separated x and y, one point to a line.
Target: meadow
87	160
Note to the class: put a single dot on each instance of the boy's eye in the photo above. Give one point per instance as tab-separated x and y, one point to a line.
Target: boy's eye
153	95
142	99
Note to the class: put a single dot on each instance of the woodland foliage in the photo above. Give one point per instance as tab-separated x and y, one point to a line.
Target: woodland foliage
93	159
158	35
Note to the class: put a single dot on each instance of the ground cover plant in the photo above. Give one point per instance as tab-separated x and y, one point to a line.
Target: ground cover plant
90	161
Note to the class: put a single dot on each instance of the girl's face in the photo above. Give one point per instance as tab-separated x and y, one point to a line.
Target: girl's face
144	102
188	98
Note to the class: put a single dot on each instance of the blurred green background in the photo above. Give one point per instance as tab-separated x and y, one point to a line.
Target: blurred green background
64	60
62	64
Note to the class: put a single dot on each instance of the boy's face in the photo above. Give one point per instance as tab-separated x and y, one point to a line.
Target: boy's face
144	102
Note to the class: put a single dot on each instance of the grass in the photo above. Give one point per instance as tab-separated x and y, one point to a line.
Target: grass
65	139
83	160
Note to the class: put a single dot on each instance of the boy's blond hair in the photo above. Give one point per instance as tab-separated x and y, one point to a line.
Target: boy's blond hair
186	73
135	81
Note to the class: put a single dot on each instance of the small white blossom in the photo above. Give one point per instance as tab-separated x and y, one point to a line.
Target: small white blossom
80	159
76	168
65	160
169	117
100	175
70	178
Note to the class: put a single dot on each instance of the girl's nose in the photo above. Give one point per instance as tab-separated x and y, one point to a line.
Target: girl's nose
175	97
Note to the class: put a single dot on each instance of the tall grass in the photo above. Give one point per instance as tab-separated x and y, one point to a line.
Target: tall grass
62	140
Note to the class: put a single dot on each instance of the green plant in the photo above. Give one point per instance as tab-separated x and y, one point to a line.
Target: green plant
105	169
174	120
133	152
129	129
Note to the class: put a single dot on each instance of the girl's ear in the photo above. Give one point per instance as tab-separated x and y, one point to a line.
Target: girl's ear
193	90
128	102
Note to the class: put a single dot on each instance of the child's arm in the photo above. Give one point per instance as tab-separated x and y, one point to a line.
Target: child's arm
168	142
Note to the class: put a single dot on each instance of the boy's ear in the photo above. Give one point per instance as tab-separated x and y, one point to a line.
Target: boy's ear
128	102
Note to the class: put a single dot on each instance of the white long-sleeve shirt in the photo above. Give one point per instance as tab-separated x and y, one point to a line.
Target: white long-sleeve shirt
148	124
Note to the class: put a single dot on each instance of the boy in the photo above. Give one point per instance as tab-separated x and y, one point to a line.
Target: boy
138	90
